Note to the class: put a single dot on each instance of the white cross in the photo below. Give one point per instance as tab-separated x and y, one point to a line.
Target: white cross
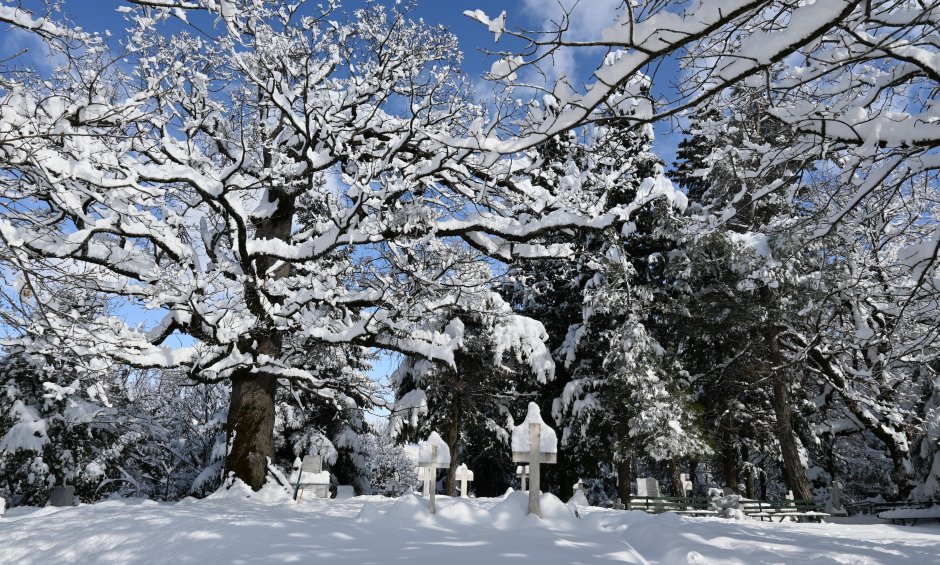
427	476
523	472
531	434
433	454
464	475
686	484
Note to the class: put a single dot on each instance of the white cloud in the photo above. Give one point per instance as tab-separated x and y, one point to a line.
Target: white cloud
587	19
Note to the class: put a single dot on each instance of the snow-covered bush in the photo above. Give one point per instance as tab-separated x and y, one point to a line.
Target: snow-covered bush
393	471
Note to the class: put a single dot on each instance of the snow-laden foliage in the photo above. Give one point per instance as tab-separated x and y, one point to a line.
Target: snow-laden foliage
392	470
290	173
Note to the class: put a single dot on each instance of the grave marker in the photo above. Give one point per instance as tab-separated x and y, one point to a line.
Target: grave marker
534	442
62	496
523	472
647	486
835	493
464	476
433	454
686	484
310	475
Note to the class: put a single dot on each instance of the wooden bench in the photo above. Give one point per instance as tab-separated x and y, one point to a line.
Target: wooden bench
687	506
801	510
909	516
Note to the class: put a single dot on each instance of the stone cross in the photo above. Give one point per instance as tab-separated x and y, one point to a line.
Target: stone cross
433	454
686	484
464	475
534	442
523	472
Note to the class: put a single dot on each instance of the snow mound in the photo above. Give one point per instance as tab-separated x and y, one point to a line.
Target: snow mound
270	493
462	512
410	509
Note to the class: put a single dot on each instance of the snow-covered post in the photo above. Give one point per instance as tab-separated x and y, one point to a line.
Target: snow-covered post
433	454
464	475
523	472
534	442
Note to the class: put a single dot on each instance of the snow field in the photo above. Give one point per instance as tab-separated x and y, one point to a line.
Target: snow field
268	527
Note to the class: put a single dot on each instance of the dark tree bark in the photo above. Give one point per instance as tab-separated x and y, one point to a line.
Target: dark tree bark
750	487
793	469
452	436
250	421
250	427
674	472
729	454
624	479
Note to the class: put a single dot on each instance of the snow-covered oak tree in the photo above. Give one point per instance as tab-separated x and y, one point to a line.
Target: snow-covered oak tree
295	172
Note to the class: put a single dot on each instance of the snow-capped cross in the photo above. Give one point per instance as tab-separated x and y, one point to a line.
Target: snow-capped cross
433	454
534	442
464	475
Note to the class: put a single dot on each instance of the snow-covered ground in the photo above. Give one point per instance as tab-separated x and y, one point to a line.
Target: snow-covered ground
269	529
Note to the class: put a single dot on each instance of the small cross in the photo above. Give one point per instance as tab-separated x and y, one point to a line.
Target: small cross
433	454
523	472
464	475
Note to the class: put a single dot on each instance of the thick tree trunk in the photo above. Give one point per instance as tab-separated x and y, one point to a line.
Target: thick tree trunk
793	469
452	436
674	472
789	450
624	479
750	488
729	454
250	427
250	423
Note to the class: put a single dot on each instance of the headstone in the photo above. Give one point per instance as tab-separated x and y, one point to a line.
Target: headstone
433	454
62	496
835	500
579	496
619	505
686	484
647	486
789	495
345	491
523	472
464	476
311	476
534	442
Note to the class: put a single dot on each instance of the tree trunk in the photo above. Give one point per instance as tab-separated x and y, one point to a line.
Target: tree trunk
792	465
250	427
729	454
674	472
624	479
250	422
750	488
452	436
